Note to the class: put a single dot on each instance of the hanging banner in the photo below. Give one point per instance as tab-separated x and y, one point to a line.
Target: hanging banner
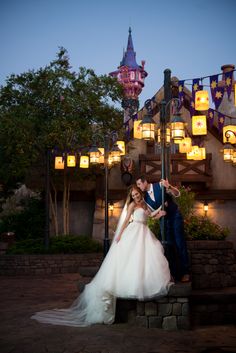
213	85
211	115
221	121
181	92
229	82
219	94
195	86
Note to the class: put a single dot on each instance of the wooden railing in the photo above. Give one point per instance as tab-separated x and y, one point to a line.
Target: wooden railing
181	169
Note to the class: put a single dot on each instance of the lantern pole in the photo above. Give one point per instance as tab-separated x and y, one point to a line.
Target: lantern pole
47	199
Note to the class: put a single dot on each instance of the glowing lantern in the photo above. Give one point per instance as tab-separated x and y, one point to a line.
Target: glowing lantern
84	162
201	100
234	159
59	163
148	128
167	134
121	145
177	128
228	153
229	134
115	154
203	152
195	153
199	125
137	129
110	160
71	162
94	154
185	145
101	157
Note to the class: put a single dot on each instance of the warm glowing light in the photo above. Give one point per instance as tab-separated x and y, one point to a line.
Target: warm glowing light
148	128
197	153
185	145
199	125
59	163
101	157
94	155
201	100
121	145
228	153
115	154
84	162
71	161
137	129
229	134
167	134
234	159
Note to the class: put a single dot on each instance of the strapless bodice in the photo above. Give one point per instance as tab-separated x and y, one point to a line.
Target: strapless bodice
139	215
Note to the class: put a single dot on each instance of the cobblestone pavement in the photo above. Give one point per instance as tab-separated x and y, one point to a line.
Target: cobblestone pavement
20	297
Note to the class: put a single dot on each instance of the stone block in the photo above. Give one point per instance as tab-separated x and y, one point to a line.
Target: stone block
180	290
169	323
165	309
185	309
182	300
141	321
177	309
151	308
183	323
155	321
140	308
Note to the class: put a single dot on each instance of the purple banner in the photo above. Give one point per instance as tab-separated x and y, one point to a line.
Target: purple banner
181	92
219	94
229	82
195	86
211	115
221	121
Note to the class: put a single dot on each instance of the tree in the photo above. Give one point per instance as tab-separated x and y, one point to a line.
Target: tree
50	108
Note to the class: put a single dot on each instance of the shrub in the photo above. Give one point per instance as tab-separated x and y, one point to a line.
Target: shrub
64	244
202	228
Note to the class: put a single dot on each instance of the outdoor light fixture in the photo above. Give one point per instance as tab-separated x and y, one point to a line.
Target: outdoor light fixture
111	206
115	154
94	154
84	162
137	129
177	128
167	135
121	145
229	134
148	128
201	100
185	145
71	161
205	208
199	125
228	153
59	163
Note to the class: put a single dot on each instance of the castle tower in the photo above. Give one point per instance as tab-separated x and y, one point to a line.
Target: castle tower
131	76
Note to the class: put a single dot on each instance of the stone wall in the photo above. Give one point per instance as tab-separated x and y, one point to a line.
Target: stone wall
213	264
47	264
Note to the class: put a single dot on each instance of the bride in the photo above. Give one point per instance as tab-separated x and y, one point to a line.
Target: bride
135	267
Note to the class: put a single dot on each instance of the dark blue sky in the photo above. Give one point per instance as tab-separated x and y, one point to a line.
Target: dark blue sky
192	38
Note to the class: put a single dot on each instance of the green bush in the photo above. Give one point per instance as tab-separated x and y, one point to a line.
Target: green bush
26	223
202	228
64	244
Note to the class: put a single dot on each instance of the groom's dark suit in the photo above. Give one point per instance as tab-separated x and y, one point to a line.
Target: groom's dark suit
174	229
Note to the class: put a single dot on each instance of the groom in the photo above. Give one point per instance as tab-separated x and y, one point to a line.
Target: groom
174	220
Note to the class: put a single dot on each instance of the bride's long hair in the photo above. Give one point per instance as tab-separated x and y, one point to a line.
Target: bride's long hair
129	197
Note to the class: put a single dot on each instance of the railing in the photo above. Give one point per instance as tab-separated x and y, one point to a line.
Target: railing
181	169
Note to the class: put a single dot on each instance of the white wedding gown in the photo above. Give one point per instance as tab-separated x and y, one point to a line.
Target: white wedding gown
135	268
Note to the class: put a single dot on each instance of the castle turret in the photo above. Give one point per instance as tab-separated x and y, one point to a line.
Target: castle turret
131	76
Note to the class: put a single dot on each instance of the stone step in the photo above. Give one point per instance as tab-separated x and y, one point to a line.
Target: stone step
213	306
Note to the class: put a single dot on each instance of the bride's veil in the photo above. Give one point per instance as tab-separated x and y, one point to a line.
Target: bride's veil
121	221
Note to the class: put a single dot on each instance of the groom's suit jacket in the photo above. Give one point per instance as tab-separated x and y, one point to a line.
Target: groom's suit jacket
172	206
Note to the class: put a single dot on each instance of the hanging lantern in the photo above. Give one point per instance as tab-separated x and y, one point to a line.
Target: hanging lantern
195	153
59	163
121	145
110	160
148	128
94	155
201	100
203	152
177	128
84	162
185	145
228	153
71	161
167	134
199	125
234	159
137	129
115	154
101	157
229	134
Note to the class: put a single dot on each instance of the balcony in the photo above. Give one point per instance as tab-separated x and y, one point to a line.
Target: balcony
197	174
